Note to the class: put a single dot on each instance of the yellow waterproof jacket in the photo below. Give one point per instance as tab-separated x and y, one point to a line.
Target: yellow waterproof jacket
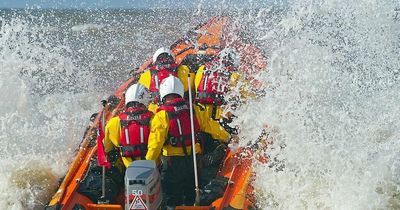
209	125
159	127
182	73
111	138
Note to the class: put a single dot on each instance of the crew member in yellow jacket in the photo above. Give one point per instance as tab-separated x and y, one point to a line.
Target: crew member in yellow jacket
129	130
163	65
170	135
212	82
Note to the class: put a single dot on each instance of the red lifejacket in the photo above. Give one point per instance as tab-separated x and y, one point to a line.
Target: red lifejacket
213	84
135	132
179	133
158	74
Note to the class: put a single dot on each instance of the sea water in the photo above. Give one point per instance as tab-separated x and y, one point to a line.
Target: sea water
331	106
330	103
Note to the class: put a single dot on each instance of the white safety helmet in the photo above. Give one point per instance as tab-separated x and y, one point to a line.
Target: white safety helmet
230	55
161	51
171	85
137	93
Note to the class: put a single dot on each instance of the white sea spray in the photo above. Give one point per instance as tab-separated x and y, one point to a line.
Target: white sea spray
333	98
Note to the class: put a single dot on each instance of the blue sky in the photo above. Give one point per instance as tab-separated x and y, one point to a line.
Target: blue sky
121	3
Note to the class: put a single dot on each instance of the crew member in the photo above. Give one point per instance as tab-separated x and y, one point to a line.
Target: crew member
212	83
163	65
170	135
129	130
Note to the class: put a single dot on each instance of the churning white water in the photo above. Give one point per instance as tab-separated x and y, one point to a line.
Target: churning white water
331	99
42	116
332	106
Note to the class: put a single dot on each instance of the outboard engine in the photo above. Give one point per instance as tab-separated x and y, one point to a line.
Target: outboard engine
142	186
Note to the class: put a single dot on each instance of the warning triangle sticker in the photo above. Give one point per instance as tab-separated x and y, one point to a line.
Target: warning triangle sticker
137	204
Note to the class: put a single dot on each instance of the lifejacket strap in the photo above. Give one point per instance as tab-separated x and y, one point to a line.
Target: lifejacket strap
141	135
214	111
205	83
156	81
143	151
127	136
128	151
183	145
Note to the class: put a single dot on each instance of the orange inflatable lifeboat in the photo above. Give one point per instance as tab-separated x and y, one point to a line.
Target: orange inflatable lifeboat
235	172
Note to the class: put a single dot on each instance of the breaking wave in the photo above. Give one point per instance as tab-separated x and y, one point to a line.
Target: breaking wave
331	106
43	112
